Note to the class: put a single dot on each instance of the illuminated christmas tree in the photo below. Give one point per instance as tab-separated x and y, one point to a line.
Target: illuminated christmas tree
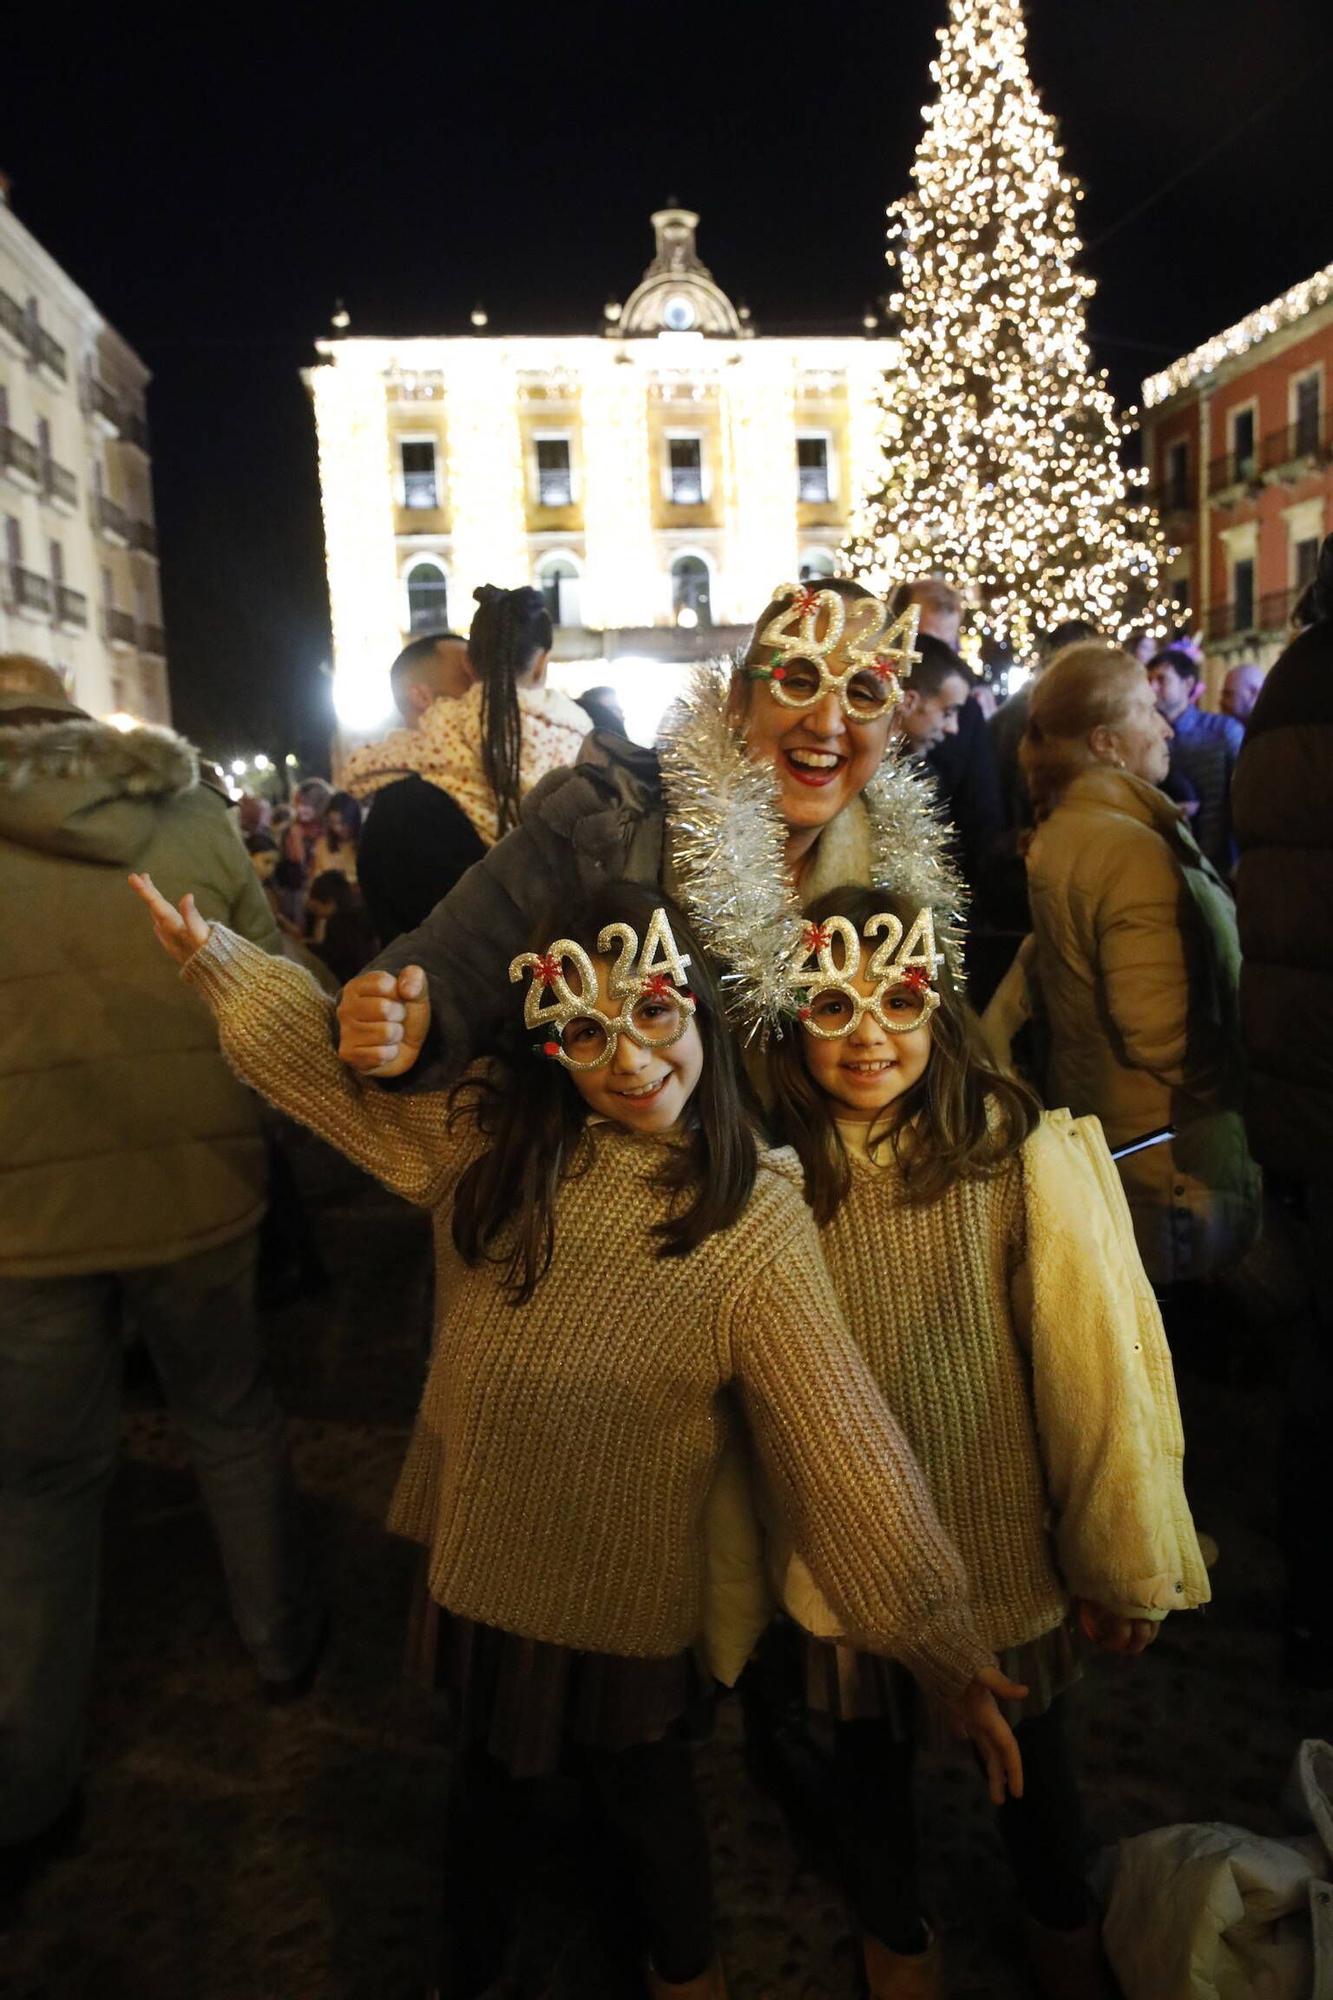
1001	464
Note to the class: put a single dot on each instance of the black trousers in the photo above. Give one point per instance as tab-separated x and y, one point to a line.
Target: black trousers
876	1821
653	1837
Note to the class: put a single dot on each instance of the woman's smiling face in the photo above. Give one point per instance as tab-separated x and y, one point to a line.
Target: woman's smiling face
821	758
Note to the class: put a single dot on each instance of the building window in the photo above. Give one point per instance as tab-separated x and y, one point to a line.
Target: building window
555	477
812	469
690	592
427	598
558	582
1242	594
420	486
1305	408
1305	561
1242	443
816	564
1176	492
57	555
685	465
13	542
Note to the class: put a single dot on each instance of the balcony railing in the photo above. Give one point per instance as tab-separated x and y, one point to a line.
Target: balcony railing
112	520
71	606
152	639
134	429
420	491
1309	437
143	535
103	404
1276	607
13	320
812	484
49	354
1233	468
1175	496
1270	615
119	627
59	483
28	590
555	486
18	455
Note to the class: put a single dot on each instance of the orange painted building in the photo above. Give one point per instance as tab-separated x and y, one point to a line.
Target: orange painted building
1238	438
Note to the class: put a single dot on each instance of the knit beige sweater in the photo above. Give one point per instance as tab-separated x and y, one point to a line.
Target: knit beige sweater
563	1451
1014	1336
942	1343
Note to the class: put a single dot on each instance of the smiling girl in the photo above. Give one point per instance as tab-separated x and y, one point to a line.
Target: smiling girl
614	1257
984	1258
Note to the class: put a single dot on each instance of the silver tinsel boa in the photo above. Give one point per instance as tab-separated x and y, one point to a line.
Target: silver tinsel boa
728	850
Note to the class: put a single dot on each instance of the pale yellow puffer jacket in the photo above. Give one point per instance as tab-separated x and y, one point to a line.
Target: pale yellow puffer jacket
1137	964
125	1140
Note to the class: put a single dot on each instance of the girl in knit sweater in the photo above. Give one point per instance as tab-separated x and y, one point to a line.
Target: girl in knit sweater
984	1259
613	1258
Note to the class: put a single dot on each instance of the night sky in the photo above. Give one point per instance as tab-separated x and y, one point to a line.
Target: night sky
215	188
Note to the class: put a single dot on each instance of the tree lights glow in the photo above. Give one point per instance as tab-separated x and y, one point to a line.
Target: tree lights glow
1000	465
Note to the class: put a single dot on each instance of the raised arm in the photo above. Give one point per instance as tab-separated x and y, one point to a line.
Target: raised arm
274	1029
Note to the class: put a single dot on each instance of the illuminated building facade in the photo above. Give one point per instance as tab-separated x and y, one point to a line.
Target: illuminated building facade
1238	436
654	481
78	559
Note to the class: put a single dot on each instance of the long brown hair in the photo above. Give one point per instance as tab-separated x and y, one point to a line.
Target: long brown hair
961	1120
535	1120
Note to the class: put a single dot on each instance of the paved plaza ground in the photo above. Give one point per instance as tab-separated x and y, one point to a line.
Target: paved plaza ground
236	1852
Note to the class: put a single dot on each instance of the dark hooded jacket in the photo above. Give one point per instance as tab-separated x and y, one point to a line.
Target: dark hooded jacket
124	1138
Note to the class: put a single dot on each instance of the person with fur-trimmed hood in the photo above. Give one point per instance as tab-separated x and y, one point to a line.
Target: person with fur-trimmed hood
133	1188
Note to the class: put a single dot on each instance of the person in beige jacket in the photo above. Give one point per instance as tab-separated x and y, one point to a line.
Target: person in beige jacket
1137	963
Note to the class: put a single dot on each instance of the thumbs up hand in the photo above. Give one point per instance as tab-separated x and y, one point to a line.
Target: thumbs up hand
179	932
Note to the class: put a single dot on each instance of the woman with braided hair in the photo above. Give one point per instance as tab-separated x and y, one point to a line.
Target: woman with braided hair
488	746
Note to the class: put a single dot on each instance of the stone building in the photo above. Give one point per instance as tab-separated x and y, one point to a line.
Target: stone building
78	559
654	480
1238	436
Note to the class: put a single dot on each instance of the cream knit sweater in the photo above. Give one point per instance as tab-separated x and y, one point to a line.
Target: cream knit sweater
928	1292
563	1451
1014	1336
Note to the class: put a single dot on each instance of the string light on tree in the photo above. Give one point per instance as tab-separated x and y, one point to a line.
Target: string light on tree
1000	445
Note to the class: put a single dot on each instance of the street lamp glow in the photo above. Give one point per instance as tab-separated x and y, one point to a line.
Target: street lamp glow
239	767
261	762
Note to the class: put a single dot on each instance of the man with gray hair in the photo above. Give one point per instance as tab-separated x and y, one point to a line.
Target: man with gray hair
1240	691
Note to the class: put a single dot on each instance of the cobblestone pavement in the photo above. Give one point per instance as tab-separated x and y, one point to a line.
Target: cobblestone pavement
235	1852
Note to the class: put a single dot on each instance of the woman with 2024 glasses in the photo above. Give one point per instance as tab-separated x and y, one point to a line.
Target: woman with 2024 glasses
770	784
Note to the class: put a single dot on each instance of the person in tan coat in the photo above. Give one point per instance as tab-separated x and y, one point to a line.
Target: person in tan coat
1137	963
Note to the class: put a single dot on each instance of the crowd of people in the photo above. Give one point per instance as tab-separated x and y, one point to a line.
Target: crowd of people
795	1321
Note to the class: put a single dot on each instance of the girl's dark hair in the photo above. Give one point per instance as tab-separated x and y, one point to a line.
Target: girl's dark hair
348	810
531	1112
961	1120
509	629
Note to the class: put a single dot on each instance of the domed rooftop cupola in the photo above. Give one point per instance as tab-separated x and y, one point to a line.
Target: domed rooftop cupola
677	293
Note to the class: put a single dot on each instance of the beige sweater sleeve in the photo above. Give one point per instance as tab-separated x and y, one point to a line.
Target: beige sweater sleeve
275	1027
843	1476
